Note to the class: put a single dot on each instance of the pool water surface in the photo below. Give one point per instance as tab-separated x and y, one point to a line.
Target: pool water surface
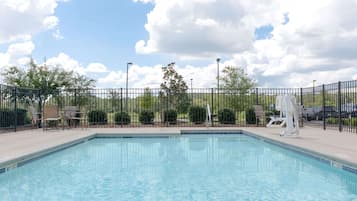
189	167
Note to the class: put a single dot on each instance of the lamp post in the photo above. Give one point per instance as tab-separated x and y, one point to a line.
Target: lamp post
313	92
127	78
218	60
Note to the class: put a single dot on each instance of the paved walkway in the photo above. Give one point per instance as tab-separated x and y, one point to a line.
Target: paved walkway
16	146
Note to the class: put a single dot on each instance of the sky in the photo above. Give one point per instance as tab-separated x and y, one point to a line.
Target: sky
286	43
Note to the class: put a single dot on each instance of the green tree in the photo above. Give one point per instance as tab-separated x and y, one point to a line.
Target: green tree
49	80
234	79
147	100
175	89
115	99
236	85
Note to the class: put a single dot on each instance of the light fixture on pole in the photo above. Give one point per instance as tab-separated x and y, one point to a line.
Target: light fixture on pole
126	87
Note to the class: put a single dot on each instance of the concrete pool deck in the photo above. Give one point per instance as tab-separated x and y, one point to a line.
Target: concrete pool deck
22	145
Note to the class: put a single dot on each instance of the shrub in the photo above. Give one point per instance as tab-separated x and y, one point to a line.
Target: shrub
349	122
226	116
97	117
146	117
170	116
122	118
197	114
332	120
21	117
250	117
7	117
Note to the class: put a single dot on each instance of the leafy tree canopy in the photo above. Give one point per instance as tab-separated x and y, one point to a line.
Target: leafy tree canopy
235	79
48	79
176	88
147	100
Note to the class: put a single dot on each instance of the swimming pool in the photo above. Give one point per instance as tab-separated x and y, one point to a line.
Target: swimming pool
189	167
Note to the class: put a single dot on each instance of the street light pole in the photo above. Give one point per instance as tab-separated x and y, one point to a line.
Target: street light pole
127	78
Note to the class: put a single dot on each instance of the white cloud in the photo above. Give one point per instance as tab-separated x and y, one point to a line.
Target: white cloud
318	40
21	19
151	76
50	22
205	28
57	34
16	54
65	61
144	1
68	63
307	47
96	68
113	79
323	77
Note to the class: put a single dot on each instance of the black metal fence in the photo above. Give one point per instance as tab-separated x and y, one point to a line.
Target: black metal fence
16	107
326	106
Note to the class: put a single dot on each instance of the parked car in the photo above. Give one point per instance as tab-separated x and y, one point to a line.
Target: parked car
317	113
330	111
349	109
309	113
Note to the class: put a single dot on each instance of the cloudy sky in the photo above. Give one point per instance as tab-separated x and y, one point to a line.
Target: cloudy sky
280	43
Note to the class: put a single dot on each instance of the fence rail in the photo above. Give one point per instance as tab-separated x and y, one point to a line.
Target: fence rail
331	106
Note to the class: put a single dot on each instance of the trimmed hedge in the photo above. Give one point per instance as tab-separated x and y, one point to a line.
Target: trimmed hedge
197	114
122	118
97	117
345	121
170	116
226	116
250	117
146	117
7	117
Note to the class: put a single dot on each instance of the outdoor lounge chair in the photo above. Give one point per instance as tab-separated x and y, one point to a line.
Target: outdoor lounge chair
278	121
50	114
71	114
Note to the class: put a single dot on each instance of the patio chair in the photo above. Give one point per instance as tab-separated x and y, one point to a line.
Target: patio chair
50	114
259	114
71	114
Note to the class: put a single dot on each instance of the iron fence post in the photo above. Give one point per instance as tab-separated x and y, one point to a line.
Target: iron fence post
218	95
323	106
339	107
301	107
212	112
256	96
167	110
15	108
75	97
40	108
256	103
121	107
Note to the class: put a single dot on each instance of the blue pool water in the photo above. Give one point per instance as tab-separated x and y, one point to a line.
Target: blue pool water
192	167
